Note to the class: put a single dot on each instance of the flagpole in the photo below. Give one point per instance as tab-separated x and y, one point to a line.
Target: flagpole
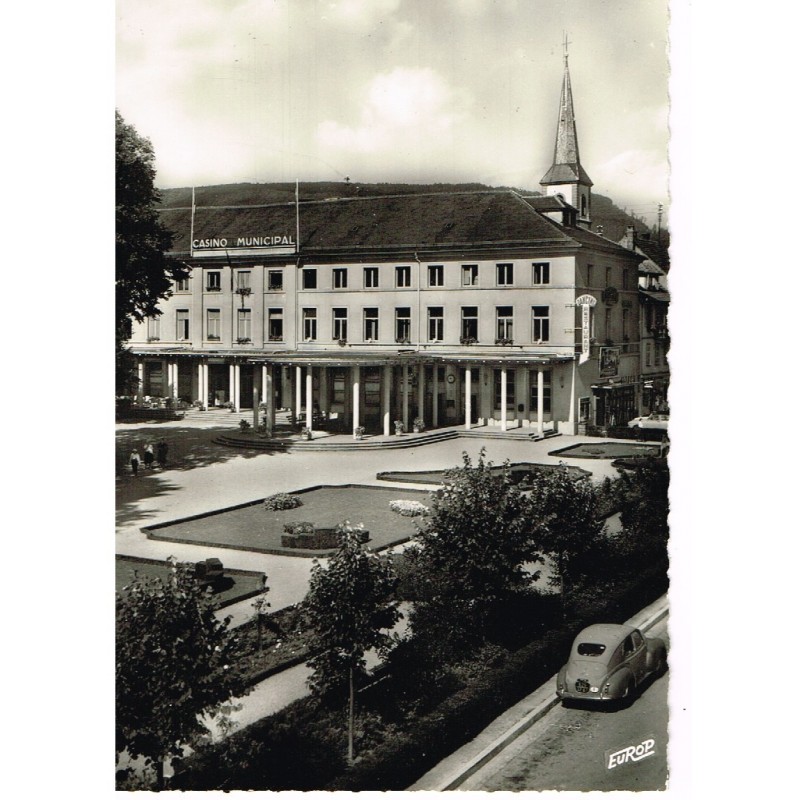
191	231
297	215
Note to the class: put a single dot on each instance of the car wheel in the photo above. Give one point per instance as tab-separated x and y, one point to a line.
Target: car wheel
661	665
627	694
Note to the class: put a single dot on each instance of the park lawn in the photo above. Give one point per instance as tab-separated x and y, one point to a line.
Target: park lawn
608	450
252	527
437	476
237	585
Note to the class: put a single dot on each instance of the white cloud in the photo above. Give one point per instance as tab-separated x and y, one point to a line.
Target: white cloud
403	109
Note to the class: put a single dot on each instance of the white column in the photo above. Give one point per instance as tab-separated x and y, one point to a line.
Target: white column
484	394
405	397
573	411
237	403
205	384
175	380
540	401
200	397
298	392
264	379
356	380
231	384
435	391
387	399
269	398
309	398
421	392
139	380
468	398
503	396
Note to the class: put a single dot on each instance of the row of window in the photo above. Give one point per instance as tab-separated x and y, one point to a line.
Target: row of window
370	328
340	277
540	324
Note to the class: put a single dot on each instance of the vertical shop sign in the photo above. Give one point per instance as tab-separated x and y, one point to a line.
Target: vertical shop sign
586	302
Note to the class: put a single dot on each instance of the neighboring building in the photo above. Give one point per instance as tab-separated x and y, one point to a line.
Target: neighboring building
654	332
485	307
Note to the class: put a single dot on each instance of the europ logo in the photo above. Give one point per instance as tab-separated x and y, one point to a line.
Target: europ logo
631	753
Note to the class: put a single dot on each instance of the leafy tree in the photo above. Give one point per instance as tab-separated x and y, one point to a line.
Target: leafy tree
172	665
643	496
349	610
474	548
143	270
565	510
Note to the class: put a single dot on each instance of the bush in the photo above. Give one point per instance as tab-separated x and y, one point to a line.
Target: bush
244	425
282	502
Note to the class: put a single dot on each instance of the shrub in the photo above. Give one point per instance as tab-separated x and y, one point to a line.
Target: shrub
244	425
408	508
282	501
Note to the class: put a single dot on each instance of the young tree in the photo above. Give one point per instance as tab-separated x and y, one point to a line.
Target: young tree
477	537
143	270
565	511
172	665
350	610
475	545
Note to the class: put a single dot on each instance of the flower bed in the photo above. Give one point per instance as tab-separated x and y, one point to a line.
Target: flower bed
305	536
282	501
408	508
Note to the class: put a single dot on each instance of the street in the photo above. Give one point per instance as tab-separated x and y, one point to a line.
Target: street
567	749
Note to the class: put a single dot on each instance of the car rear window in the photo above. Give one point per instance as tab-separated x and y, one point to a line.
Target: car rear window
591	649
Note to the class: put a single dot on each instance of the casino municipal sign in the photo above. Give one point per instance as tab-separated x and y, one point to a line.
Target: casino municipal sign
274	244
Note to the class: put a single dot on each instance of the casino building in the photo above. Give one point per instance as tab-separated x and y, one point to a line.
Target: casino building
466	308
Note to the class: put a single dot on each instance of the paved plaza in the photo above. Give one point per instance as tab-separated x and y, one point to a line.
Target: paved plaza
202	476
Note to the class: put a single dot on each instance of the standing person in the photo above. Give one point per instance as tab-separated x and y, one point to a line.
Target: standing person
135	462
161	451
149	456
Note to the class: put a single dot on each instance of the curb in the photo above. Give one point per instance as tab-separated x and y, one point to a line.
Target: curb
644	620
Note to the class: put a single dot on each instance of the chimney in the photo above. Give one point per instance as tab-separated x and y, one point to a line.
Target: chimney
630	238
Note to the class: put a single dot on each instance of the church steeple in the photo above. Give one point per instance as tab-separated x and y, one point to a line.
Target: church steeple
567	177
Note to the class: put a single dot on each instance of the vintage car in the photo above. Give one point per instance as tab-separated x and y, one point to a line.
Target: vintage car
659	422
608	662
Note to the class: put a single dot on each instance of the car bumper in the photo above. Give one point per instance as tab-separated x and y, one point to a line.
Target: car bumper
591	697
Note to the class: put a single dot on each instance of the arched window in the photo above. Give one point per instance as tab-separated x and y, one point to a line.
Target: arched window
583	205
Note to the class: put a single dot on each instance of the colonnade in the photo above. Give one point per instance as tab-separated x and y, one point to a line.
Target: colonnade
303	394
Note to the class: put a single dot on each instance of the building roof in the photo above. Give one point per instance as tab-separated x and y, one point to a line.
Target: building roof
416	222
654	250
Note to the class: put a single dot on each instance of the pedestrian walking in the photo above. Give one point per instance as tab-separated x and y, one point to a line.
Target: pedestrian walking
161	452
149	456
135	462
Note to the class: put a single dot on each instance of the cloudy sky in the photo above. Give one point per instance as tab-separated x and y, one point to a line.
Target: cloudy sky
397	90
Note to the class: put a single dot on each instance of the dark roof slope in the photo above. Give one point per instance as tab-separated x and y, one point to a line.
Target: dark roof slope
410	221
406	221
